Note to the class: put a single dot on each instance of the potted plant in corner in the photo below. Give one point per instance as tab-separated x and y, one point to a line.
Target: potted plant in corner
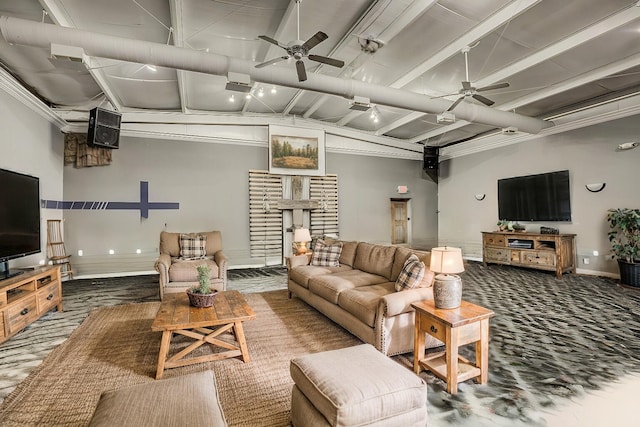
624	235
202	295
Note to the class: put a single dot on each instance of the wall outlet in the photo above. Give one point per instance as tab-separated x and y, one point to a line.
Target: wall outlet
596	253
585	261
608	257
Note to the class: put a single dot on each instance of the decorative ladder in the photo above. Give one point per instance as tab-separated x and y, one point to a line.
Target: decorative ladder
55	248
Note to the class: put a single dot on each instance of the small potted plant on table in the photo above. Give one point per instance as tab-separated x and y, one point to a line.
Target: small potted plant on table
624	235
202	295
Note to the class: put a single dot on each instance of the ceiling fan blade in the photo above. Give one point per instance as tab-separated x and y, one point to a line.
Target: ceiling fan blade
272	61
466	85
485	101
455	104
302	72
272	41
314	40
326	60
495	86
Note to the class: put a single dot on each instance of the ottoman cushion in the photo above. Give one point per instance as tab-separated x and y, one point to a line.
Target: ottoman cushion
189	400
358	386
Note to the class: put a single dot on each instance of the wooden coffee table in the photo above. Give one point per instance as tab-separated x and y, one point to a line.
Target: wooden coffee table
204	325
455	327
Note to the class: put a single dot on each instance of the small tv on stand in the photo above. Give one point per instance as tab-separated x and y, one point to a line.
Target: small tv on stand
19	219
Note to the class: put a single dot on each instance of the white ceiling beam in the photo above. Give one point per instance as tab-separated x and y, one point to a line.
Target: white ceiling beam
388	23
400	122
60	17
614	21
618	109
582	79
273	51
611	23
487	26
346	38
176	7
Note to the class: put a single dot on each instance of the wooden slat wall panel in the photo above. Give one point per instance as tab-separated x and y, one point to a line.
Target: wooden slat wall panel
265	225
324	220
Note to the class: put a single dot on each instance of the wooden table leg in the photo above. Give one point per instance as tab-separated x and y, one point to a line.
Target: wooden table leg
164	349
482	352
242	342
418	344
451	355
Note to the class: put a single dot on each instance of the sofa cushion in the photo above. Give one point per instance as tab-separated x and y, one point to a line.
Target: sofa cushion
188	400
411	274
401	256
187	271
363	302
326	255
329	286
302	274
375	259
192	247
348	255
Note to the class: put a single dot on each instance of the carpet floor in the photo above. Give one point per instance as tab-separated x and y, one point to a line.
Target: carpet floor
551	341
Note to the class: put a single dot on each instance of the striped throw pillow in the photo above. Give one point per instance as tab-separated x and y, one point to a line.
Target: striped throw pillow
326	255
192	247
411	274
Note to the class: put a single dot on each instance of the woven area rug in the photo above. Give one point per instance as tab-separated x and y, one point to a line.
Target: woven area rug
115	347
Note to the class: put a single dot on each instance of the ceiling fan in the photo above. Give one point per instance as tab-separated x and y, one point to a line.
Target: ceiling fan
470	91
299	49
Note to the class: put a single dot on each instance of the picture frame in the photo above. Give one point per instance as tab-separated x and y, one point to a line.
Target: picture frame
296	151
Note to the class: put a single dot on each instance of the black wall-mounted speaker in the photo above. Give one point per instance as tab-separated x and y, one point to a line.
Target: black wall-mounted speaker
430	158
104	128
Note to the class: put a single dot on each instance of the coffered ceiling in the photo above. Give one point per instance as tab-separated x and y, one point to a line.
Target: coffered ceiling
568	63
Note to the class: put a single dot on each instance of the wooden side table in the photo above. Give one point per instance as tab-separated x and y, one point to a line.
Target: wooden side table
455	327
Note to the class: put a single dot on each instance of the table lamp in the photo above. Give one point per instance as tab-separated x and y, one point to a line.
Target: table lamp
301	236
447	288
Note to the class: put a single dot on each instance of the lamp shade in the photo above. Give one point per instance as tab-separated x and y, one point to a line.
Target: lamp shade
301	235
446	260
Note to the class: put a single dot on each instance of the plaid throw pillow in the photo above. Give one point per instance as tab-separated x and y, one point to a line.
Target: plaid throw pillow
411	274
192	247
326	255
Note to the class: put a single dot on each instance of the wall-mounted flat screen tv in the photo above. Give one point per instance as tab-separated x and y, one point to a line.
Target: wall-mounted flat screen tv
19	217
541	197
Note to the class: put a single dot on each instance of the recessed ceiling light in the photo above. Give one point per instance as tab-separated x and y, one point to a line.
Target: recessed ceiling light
273	90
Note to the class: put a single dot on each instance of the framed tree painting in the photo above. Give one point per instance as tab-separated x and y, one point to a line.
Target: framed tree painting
296	151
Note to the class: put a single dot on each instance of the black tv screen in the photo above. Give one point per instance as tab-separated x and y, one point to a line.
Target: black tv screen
19	215
541	197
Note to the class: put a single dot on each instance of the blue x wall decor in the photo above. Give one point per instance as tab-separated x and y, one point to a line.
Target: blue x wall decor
144	206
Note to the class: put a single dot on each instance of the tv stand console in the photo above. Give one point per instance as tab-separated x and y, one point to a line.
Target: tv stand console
27	297
552	252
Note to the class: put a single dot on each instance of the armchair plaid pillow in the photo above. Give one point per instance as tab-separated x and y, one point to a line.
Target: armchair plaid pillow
192	247
326	255
411	274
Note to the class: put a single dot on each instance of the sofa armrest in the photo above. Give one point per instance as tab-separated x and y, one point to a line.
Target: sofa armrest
297	260
162	266
223	263
400	302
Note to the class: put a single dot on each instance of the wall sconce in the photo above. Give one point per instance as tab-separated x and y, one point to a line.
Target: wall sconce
480	197
596	188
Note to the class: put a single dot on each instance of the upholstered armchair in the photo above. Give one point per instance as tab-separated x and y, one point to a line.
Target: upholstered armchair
182	253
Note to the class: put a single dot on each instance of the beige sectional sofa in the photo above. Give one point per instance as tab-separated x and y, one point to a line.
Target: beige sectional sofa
360	294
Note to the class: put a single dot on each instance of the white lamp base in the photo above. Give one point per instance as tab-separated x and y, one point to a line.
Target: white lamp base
447	291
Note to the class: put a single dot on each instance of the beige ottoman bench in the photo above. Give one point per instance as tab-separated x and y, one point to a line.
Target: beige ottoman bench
189	400
355	386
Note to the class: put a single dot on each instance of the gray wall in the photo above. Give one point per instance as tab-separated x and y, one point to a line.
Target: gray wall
210	181
589	154
31	145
